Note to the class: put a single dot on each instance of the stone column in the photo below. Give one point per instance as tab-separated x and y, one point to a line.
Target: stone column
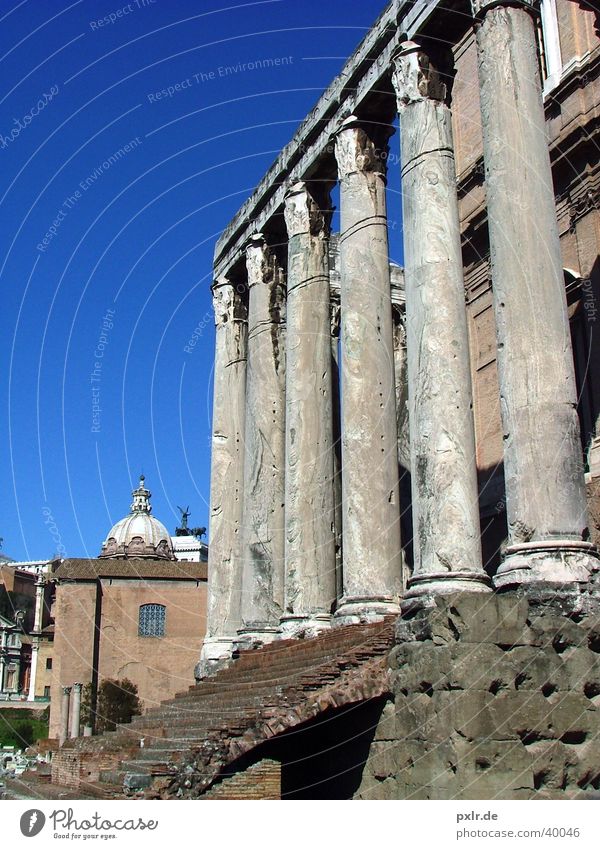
227	473
37	628
310	590
335	319
75	711
264	463
371	510
400	365
64	715
546	505
446	531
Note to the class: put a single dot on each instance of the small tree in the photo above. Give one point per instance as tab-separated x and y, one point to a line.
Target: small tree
87	704
117	702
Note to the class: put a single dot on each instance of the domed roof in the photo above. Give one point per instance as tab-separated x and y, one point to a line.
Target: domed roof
139	534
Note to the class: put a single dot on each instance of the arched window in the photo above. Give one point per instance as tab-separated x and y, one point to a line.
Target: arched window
152	620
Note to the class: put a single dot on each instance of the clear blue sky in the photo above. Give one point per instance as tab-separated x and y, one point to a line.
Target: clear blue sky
84	234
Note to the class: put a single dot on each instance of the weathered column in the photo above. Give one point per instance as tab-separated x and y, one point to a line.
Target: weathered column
64	715
227	473
310	590
264	466
400	365
335	319
546	506
371	510
75	711
37	628
446	532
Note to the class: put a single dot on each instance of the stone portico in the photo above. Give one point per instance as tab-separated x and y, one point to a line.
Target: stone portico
305	537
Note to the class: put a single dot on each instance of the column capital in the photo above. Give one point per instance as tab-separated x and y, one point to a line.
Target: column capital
257	254
228	301
303	213
77	687
66	691
361	147
480	7
416	77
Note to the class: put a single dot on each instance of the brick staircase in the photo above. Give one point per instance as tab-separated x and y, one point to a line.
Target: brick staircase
181	747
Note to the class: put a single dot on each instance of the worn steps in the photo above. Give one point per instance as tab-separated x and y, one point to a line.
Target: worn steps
263	687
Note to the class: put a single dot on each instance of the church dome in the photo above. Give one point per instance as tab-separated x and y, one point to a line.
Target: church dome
139	534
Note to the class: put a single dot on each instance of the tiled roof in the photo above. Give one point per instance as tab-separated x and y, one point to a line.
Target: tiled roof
79	569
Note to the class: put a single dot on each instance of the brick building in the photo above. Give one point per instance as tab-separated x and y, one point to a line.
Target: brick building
134	612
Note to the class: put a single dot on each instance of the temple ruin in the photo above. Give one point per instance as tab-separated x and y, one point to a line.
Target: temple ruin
438	640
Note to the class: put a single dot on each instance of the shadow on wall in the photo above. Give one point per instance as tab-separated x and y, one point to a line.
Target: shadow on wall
324	758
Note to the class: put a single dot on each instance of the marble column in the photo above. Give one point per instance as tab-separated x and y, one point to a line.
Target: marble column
335	320
227	472
446	531
263	532
310	590
545	495
64	715
75	720
371	510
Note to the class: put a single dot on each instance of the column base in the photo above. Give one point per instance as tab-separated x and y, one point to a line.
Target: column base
354	610
215	654
303	627
422	589
547	561
255	635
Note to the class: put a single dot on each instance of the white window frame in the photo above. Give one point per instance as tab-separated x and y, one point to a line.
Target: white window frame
552	52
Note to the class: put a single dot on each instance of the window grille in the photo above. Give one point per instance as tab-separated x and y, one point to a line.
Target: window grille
152	620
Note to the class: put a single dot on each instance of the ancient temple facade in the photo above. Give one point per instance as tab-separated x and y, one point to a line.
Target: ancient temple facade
382	438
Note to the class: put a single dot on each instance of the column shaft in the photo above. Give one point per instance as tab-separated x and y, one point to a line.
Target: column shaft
310	590
227	472
335	309
75	711
447	547
264	467
546	506
371	510
64	715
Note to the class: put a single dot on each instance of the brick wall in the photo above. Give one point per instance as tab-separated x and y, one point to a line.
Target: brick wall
260	781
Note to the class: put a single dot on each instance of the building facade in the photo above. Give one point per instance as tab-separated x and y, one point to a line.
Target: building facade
134	612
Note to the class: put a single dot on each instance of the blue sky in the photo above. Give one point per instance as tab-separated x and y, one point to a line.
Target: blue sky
113	196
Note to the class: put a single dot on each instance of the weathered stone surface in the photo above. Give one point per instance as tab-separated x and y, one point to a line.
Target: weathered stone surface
310	567
264	462
546	507
444	476
371	511
227	473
